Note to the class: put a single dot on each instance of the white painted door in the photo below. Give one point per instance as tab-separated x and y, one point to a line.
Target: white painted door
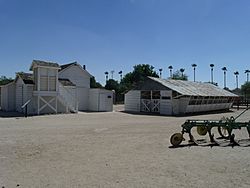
105	102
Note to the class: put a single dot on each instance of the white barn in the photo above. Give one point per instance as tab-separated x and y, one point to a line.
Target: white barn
51	88
173	97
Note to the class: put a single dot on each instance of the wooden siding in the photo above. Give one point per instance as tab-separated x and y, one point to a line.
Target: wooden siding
19	94
8	97
0	98
100	100
76	76
43	83
132	101
166	102
83	98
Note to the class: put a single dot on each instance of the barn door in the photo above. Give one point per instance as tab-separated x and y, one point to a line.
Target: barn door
150	101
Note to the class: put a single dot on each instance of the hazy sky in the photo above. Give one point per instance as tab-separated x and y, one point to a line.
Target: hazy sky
117	34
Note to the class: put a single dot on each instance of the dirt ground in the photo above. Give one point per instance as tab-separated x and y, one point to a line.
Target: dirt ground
113	149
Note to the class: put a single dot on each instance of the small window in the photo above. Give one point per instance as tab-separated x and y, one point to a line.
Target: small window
156	94
146	94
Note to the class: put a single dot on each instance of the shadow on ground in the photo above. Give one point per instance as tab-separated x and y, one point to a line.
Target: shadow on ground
10	114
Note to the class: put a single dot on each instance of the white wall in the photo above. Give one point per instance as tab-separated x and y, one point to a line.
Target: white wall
100	100
83	98
105	101
47	79
133	101
207	107
19	94
4	98
166	103
24	92
93	104
8	98
0	98
76	75
183	103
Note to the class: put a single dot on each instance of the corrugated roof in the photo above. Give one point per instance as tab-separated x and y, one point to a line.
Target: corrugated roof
44	63
26	77
66	82
193	88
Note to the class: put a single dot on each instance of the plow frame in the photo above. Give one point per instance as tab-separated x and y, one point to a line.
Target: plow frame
205	126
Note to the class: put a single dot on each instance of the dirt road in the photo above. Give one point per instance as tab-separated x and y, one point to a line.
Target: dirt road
113	150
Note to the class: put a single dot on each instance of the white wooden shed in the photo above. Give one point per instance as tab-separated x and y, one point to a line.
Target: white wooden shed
80	77
100	100
52	88
8	98
24	88
173	97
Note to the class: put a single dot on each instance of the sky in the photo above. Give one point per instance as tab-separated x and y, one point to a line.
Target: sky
108	35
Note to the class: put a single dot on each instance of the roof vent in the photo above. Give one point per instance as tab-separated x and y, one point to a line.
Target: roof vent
84	67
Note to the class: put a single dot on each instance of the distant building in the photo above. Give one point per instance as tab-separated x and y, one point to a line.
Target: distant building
52	88
173	97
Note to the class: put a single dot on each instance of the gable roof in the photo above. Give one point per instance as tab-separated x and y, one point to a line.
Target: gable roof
66	66
26	77
193	88
39	63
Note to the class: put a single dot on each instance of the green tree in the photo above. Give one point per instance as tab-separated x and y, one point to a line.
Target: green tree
138	75
179	75
4	80
94	84
112	85
245	89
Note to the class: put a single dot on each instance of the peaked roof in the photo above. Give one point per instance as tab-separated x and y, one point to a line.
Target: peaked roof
66	66
193	88
38	63
26	77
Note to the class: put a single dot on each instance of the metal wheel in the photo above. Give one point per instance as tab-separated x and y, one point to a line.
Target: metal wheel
223	132
176	139
202	130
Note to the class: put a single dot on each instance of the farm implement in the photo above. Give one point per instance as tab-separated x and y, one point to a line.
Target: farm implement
226	129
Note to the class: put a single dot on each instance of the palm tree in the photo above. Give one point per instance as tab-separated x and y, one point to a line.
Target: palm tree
171	69
247	73
236	73
107	75
225	72
160	71
212	73
194	66
112	74
182	72
120	74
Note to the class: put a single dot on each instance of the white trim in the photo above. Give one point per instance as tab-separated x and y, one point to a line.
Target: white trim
47	103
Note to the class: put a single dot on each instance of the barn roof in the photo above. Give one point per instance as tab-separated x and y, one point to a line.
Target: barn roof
65	66
26	77
39	63
193	88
